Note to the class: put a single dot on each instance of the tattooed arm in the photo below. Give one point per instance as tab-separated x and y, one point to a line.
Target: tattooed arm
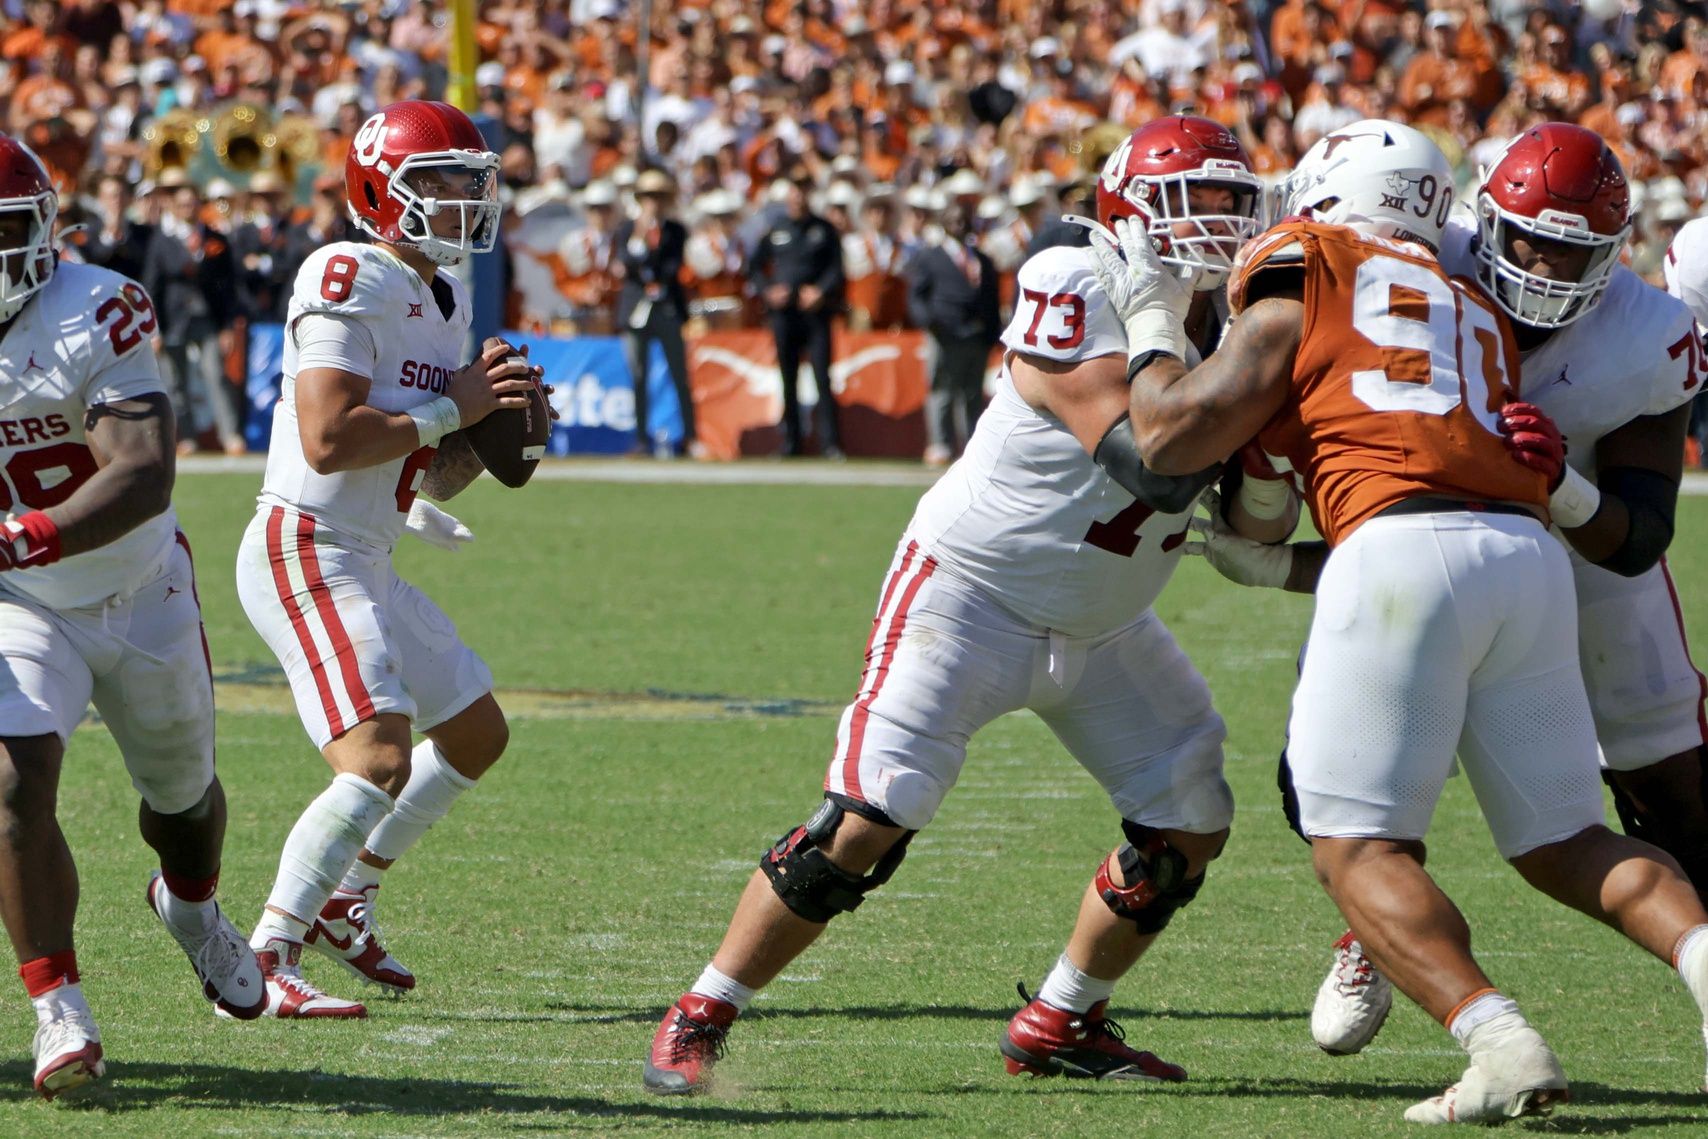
453	468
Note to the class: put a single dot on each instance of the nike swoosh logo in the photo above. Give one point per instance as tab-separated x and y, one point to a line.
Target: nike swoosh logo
340	944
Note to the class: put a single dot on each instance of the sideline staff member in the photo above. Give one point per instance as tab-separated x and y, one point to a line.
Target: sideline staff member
797	271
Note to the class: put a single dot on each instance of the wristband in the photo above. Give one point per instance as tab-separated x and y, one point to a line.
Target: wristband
1155	329
34	539
1265	499
1574	502
435	419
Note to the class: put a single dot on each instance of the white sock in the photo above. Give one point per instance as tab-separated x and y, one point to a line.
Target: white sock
1479	1010
721	988
1068	988
1690	958
191	917
321	847
361	875
433	786
56	1000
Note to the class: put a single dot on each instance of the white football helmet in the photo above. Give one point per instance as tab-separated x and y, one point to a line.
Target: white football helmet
1377	177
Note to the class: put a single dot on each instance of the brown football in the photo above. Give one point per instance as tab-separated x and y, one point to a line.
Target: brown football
511	441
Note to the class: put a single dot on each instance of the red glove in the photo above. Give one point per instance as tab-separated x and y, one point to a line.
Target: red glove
1532	439
28	540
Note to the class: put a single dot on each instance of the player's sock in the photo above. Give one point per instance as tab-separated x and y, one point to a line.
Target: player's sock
723	988
1479	1009
1067	987
433	786
44	977
188	903
321	847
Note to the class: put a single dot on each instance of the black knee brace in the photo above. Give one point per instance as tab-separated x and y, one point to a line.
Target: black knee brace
1668	826
810	884
1157	884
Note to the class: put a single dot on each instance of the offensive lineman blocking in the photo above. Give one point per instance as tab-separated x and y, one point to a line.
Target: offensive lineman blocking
97	602
375	336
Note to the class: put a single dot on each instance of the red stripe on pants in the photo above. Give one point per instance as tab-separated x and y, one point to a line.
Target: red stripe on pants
287	597
323	604
1701	681
880	669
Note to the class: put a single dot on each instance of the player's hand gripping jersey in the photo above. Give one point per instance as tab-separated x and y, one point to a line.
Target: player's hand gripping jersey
83	340
1399	376
1026	514
359	309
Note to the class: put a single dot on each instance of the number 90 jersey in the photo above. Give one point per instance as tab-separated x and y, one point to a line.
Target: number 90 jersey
82	341
395	333
1025	514
1398	380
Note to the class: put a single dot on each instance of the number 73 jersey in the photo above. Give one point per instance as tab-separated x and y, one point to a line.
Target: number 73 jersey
1025	514
82	341
1399	377
390	327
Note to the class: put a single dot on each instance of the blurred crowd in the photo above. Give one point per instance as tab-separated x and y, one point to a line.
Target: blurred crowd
911	125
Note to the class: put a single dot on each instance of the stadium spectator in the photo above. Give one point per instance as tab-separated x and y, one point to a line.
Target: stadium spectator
648	252
797	271
115	241
952	293
258	247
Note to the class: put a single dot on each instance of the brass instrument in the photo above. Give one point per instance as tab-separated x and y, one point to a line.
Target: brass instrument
173	142
1093	146
233	143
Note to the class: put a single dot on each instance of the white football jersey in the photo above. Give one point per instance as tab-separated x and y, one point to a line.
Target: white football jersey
83	340
1686	268
1636	353
417	347
1025	514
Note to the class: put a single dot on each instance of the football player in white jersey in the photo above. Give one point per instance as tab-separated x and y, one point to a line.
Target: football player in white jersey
1614	362
97	603
1025	580
374	393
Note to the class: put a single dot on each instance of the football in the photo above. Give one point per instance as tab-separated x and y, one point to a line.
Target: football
511	441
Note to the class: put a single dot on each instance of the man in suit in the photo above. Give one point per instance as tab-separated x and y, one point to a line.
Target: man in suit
953	293
797	271
116	242
648	251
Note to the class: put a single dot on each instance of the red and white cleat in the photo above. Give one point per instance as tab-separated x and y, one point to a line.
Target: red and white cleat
289	996
230	975
1352	1002
348	931
1043	1040
68	1052
689	1041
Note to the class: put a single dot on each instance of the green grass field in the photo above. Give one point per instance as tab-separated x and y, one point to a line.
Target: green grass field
674	657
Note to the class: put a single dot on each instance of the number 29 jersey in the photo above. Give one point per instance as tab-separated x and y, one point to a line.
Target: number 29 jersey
1025	514
1399	376
82	341
397	334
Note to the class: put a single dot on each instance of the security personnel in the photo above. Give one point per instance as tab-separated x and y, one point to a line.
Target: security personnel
953	293
797	272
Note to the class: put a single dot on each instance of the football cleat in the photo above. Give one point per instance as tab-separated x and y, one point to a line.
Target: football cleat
230	975
1352	1002
1513	1073
1043	1040
289	995
68	1051
348	931
689	1041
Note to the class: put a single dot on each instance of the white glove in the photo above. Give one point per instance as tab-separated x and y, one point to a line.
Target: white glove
1238	559
435	527
1150	298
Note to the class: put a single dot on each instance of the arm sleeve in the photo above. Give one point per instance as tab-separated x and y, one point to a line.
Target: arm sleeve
327	341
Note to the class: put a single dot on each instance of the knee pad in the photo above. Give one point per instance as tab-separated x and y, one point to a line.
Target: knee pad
1157	884
1289	796
1674	830
810	884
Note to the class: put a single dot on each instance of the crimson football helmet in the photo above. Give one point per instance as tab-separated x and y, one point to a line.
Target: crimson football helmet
1151	176
410	163
28	206
1557	182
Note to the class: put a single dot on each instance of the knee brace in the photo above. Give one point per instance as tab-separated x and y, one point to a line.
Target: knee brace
810	884
1157	884
1668	825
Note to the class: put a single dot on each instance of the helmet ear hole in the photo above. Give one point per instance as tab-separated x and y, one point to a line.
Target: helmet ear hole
368	193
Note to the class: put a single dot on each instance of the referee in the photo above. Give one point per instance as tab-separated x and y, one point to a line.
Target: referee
797	271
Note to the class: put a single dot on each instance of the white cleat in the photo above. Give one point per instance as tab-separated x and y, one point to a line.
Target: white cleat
1352	1002
68	1052
348	931
289	996
230	975
1513	1073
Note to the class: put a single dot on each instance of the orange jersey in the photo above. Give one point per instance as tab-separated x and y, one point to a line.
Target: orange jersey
1399	377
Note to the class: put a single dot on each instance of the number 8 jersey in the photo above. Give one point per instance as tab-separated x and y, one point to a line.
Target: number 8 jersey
391	327
82	341
1398	380
1026	514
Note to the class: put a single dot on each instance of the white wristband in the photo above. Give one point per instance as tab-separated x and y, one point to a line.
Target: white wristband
435	419
1265	499
1575	502
1155	330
